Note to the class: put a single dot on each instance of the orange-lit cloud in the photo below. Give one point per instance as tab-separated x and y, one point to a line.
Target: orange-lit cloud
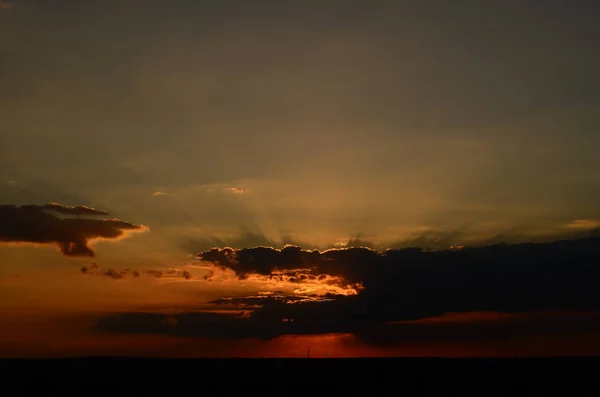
72	229
235	190
584	224
295	281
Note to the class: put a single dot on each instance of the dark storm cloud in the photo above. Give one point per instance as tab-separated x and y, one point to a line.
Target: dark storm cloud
67	227
404	285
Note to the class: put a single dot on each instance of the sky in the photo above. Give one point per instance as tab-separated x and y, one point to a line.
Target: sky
245	178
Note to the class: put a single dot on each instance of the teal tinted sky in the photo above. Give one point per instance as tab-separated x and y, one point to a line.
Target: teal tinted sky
259	122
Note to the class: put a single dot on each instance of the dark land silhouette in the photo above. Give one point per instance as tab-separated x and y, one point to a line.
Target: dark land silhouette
375	376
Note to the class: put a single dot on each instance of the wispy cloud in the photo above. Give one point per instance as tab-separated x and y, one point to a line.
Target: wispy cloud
160	193
115	274
225	189
235	190
584	224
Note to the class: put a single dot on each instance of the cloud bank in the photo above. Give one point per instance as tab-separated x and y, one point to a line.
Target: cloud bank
71	229
399	288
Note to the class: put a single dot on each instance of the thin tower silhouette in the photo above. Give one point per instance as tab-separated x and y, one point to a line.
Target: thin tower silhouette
308	352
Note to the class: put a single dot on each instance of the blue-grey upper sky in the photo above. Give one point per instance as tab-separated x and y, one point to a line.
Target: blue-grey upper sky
311	121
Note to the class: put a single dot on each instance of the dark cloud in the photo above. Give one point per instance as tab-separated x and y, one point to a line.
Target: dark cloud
155	273
401	286
260	300
245	238
89	269
432	239
229	326
79	210
268	261
94	269
179	273
242	325
208	275
115	274
481	327
69	228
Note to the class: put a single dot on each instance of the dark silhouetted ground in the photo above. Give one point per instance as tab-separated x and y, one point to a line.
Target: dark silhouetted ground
208	377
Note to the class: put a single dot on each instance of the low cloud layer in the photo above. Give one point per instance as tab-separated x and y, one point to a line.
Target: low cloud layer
94	269
71	229
398	287
470	329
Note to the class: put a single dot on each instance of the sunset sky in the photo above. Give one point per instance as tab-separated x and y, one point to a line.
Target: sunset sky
197	178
